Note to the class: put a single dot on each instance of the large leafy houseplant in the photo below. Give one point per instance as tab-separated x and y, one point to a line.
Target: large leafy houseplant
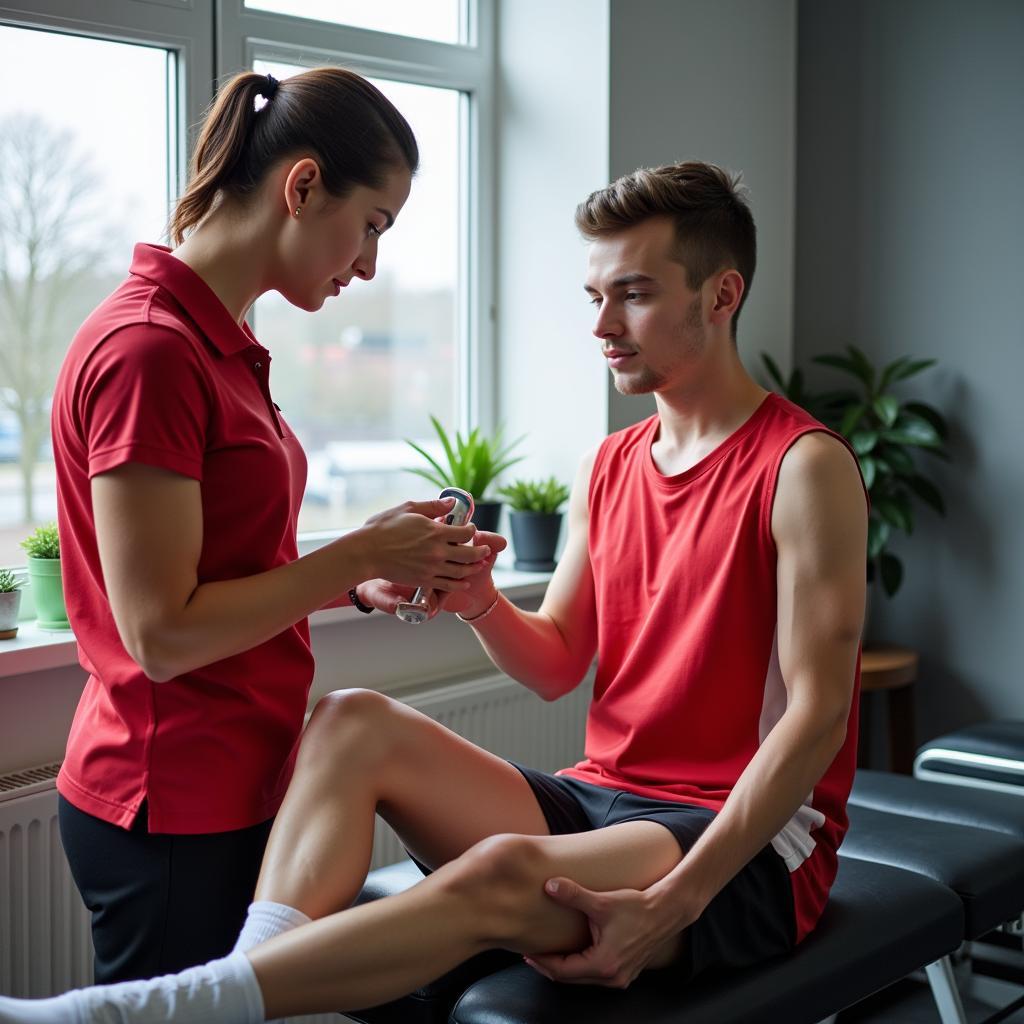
474	461
887	434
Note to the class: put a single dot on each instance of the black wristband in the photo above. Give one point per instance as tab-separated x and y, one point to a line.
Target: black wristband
356	603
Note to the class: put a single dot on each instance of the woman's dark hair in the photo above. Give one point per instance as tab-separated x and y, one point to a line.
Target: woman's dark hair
346	124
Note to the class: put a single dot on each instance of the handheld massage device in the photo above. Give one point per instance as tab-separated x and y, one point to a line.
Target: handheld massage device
417	608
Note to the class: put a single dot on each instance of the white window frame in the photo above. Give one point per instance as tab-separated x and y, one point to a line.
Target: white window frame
182	27
213	39
245	35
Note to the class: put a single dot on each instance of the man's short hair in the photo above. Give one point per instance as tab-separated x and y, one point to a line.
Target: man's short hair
714	228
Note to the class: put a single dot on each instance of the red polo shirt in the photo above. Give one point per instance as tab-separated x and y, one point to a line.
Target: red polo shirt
161	374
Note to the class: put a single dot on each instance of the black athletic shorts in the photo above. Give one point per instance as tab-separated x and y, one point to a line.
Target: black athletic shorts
750	920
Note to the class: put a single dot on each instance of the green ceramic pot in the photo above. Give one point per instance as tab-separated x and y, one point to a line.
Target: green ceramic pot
48	593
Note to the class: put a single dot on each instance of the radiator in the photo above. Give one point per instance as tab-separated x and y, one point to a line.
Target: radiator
45	944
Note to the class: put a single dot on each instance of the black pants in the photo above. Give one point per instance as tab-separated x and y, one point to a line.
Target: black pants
160	903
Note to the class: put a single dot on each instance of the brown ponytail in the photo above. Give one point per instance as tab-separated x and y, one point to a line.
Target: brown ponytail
346	124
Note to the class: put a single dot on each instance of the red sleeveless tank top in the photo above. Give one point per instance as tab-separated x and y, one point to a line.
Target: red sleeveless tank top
688	681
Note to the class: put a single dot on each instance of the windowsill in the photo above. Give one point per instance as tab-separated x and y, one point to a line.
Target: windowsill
35	649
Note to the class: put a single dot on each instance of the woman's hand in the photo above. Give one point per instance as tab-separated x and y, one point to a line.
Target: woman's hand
405	545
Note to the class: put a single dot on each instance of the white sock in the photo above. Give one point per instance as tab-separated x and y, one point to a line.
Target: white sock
225	991
265	920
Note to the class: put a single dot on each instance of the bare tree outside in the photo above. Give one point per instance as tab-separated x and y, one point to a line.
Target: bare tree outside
47	258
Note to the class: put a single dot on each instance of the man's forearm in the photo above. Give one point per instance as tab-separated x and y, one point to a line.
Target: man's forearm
529	647
786	768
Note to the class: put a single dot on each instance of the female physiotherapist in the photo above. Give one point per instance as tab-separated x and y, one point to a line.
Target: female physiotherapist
179	486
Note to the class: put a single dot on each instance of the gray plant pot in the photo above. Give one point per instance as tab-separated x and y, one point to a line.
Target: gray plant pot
10	605
535	539
486	515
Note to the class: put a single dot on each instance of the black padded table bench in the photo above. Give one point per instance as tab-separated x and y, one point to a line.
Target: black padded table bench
994	810
967	838
988	755
881	924
984	868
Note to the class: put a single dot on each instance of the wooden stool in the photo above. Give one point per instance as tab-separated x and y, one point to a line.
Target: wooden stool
894	670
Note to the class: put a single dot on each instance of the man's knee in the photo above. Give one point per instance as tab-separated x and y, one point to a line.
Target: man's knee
351	723
502	878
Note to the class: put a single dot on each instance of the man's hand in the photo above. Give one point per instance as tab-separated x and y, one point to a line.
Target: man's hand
385	596
481	591
628	933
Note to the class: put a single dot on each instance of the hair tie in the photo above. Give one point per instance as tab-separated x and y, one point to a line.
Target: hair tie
268	91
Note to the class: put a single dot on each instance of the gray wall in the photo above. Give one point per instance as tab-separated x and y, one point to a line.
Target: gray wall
910	216
714	80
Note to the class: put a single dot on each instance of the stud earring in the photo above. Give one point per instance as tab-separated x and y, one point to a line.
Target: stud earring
298	210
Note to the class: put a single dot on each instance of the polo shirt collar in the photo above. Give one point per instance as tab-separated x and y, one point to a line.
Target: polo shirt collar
156	264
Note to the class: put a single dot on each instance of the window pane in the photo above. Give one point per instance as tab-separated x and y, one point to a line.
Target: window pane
440	20
74	198
367	371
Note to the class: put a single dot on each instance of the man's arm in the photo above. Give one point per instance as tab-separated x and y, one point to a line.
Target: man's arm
819	523
550	650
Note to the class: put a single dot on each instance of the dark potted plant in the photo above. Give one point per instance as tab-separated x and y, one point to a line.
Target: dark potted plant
43	549
10	604
887	434
474	462
536	521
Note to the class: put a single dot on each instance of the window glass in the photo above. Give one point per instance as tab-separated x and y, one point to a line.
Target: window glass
74	198
440	20
367	370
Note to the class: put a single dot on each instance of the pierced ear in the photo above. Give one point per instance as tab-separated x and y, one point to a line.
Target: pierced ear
303	177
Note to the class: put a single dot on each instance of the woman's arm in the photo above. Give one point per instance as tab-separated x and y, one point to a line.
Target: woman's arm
149	530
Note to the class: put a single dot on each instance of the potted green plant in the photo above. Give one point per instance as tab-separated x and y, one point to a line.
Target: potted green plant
474	462
887	434
536	521
10	604
43	549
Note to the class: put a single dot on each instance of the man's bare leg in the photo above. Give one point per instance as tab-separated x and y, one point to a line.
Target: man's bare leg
361	753
491	896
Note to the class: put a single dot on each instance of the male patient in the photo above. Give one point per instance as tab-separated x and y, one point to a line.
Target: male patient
715	563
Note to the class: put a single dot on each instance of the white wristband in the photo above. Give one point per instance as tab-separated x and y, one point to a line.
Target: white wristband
483	615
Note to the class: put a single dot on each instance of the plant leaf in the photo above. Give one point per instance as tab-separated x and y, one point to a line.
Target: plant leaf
913	431
878	536
897	457
774	372
913	367
929	415
851	418
840	363
892	572
865	370
440	482
442	475
863	441
927	492
869	469
887	409
888	374
893	512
